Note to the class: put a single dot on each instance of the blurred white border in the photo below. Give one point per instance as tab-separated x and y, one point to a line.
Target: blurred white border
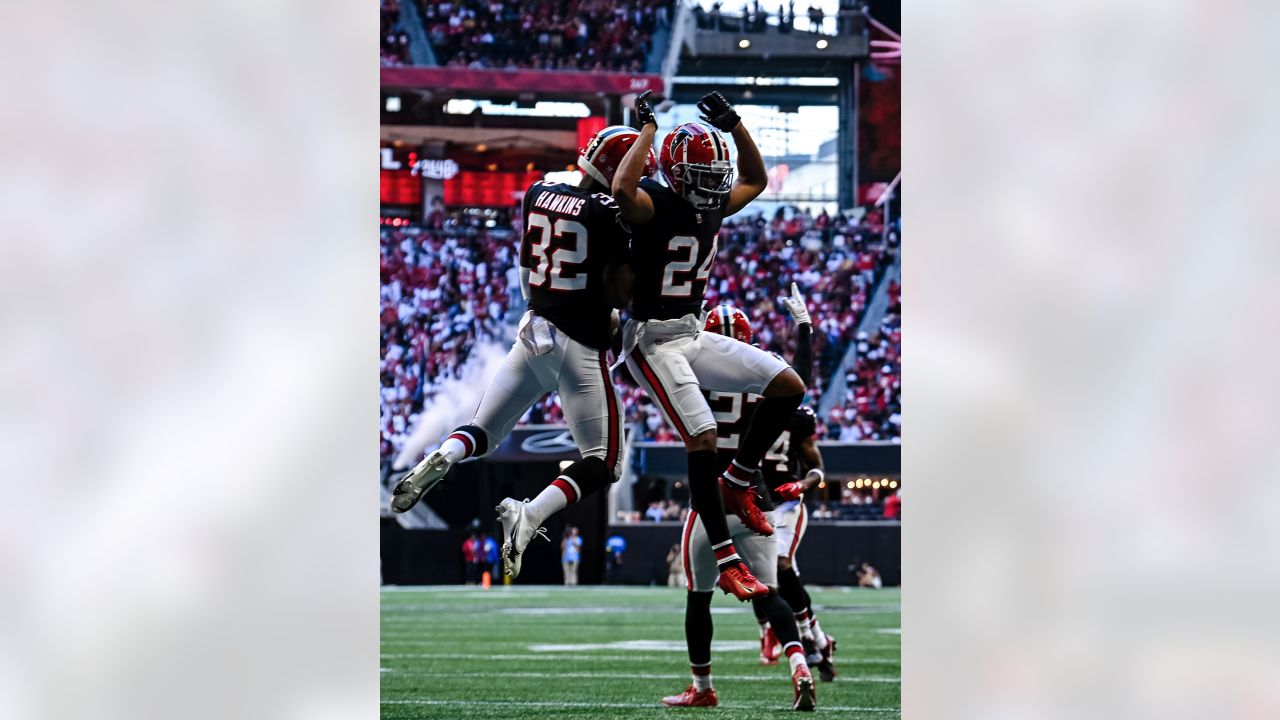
187	430
1090	360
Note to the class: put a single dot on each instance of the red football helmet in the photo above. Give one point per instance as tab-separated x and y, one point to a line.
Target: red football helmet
695	162
603	154
729	320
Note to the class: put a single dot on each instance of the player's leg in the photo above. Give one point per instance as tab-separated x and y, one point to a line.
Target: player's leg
701	575
666	376
521	380
792	586
761	551
593	412
770	650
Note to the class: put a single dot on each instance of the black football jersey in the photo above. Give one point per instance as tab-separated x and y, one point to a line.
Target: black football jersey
781	465
572	238
672	255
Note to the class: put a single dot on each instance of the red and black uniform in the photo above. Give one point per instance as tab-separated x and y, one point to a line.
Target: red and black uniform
672	255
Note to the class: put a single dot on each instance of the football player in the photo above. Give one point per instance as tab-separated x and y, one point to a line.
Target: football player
796	447
733	413
675	228
573	273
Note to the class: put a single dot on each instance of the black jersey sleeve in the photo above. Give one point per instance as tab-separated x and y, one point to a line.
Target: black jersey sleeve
607	223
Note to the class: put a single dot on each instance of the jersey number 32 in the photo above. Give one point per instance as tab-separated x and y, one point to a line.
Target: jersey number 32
555	260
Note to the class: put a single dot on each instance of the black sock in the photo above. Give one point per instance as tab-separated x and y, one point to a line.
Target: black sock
474	438
704	494
589	475
780	617
698	629
758	609
791	589
771	417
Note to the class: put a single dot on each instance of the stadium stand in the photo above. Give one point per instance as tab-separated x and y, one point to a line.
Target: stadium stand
395	41
444	288
593	35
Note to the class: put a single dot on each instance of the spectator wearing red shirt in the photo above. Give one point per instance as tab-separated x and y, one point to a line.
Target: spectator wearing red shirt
893	507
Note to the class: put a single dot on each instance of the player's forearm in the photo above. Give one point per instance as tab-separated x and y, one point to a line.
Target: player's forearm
626	181
524	283
812	478
802	361
751	170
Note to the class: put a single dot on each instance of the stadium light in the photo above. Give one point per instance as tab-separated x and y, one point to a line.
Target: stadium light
893	484
744	43
393	103
875	485
850	484
822	44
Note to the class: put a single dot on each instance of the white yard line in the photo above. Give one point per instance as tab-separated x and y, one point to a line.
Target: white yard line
781	677
619	658
635	706
844	649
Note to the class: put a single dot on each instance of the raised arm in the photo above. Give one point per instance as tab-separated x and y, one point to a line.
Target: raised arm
802	361
752	177
636	205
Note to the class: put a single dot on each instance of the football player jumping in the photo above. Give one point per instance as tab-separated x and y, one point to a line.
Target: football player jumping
733	413
573	273
675	228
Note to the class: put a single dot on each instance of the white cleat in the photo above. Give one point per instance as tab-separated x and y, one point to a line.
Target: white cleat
419	481
517	531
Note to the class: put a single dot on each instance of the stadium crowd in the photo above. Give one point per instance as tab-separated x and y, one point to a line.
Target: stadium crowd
450	283
591	35
871	408
395	42
445	287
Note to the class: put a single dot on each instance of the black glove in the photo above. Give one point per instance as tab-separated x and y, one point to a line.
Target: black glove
717	111
644	111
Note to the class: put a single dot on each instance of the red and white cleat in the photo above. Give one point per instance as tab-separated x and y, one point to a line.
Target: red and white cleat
737	580
692	697
827	668
806	694
742	502
770	649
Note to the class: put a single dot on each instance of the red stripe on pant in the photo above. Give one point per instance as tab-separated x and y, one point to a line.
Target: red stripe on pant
611	409
801	514
684	548
660	392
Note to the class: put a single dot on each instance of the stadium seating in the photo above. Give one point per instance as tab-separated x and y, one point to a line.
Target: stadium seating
395	42
593	35
443	289
872	406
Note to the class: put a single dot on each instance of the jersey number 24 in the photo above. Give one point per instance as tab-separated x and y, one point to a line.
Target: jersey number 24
682	287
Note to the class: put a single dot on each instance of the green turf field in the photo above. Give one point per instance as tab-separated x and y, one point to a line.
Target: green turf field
613	652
